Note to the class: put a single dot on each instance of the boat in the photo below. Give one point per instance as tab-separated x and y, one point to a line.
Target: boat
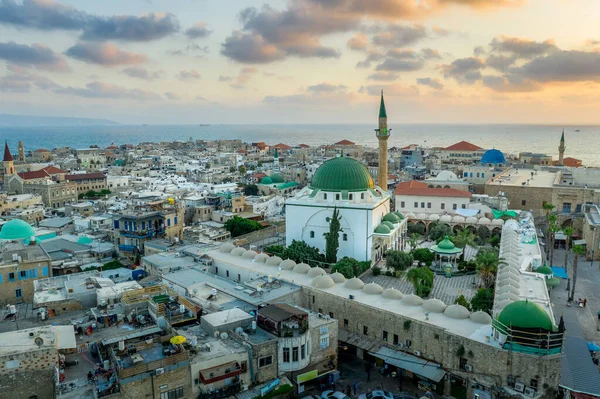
577	130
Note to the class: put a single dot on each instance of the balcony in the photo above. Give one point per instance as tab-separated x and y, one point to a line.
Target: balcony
142	233
126	248
219	373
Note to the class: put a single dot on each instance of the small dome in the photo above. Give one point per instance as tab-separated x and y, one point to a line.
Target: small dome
400	215
457	312
342	173
323	282
434	306
301	268
225	248
544	270
481	317
446	244
338	278
508	289
507	296
497	222
525	314
239	251
391	293
502	304
411	215
354	284
458	219
274	261
484	220
446	175
382	229
16	229
287	264
266	180
316	271
391	217
422	216
249	254
434	217
275	178
508	280
493	157
412	300
510	224
390	225
372	289
446	218
471	220
261	258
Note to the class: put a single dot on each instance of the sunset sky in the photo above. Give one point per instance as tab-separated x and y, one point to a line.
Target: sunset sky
302	61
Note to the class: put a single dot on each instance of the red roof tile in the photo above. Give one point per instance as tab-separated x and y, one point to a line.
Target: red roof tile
463	146
282	146
345	142
303	145
417	188
41	150
48	171
85	176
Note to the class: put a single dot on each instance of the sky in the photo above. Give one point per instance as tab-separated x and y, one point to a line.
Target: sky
302	61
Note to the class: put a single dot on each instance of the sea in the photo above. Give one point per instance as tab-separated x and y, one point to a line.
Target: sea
582	142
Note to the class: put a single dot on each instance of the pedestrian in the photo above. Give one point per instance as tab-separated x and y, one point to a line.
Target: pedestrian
355	386
584	302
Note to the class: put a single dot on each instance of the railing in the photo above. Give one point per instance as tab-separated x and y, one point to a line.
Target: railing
145	367
126	248
142	233
543	343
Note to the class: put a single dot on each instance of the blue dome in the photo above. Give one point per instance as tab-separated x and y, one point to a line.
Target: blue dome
493	156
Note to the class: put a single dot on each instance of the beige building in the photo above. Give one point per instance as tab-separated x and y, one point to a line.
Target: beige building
20	201
531	158
526	189
91	158
55	194
88	182
21	266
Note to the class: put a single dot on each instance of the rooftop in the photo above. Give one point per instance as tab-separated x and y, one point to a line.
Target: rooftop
523	177
463	146
32	339
416	188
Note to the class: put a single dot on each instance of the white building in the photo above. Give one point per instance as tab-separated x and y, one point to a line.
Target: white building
416	197
369	226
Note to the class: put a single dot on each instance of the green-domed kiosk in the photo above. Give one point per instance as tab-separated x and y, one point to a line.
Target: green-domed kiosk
446	251
342	174
16	229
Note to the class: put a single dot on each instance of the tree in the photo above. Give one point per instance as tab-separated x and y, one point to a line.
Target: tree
275	249
238	226
483	300
105	191
578	250
91	194
483	233
398	260
350	267
423	255
242	170
439	230
461	300
300	251
250	189
487	265
332	237
413	240
231	169
568	234
422	279
416	228
464	238
552	230
548	208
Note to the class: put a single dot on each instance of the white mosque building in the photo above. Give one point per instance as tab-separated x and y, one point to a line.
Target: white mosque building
369	227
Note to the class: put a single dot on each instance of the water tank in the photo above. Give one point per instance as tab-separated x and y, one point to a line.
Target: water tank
121	345
253	324
224	335
214	291
194	340
270	279
181	308
239	330
107	364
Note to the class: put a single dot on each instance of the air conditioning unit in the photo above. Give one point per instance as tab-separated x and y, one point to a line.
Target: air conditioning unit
529	391
519	387
159	371
400	345
418	353
468	368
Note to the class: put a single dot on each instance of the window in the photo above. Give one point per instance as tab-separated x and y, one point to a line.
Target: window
463	206
324	195
466	174
477	174
22	274
168	222
385	335
33	273
443	206
416	204
401	204
350	197
18	293
11	276
362	195
320	310
463	363
533	384
395	339
173	394
239	278
337	197
265	361
313	299
345	237
175	219
429	205
454	206
303	352
227	273
523	202
331	315
365	330
482	174
345	323
295	354
0	277
324	342
216	270
566	207
286	355
422	205
312	234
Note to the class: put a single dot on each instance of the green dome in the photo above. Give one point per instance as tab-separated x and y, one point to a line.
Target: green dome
275	178
446	247
382	229
446	244
391	217
266	180
342	173
400	215
388	224
525	314
544	270
16	229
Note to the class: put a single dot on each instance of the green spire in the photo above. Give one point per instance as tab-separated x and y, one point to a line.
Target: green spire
276	154
562	138
382	113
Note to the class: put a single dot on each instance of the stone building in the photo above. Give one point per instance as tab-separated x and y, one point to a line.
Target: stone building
88	182
91	158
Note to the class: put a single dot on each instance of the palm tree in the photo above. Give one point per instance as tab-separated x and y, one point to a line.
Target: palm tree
568	234
413	241
552	229
487	265
578	250
464	238
548	207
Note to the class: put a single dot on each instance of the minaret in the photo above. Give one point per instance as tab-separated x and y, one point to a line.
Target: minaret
276	162
561	148
21	157
7	162
383	134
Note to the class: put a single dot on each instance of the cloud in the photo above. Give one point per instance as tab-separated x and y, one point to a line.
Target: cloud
143	73
97	89
479	51
399	36
106	54
187	75
243	77
327	88
431	82
189	49
36	55
522	48
20	80
384	76
198	31
251	49
173	96
391	90
41	14
148	27
563	66
464	70
500	62
431	54
401	60
223	78
359	42
509	84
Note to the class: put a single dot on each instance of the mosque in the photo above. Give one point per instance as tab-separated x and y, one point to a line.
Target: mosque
369	227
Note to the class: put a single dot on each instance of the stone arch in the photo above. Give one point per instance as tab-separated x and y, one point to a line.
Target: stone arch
566	223
446	186
497	231
430	186
438	186
471	228
457	228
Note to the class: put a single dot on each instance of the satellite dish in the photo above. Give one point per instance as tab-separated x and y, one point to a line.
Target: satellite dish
38	341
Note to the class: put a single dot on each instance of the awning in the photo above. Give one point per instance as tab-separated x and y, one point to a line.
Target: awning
422	367
466	212
358	340
579	242
559	272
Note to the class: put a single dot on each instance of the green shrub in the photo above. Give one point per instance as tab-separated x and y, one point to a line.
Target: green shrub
461	300
376	271
423	255
398	260
350	267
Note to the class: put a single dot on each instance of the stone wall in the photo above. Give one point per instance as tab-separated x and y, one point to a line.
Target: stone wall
149	385
19	370
533	197
267	373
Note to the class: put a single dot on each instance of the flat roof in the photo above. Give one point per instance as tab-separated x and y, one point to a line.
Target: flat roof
169	260
522	177
226	317
21	341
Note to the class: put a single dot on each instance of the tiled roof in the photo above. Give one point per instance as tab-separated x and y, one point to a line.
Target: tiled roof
41	150
48	171
345	142
303	145
463	146
7	155
417	188
282	146
85	176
